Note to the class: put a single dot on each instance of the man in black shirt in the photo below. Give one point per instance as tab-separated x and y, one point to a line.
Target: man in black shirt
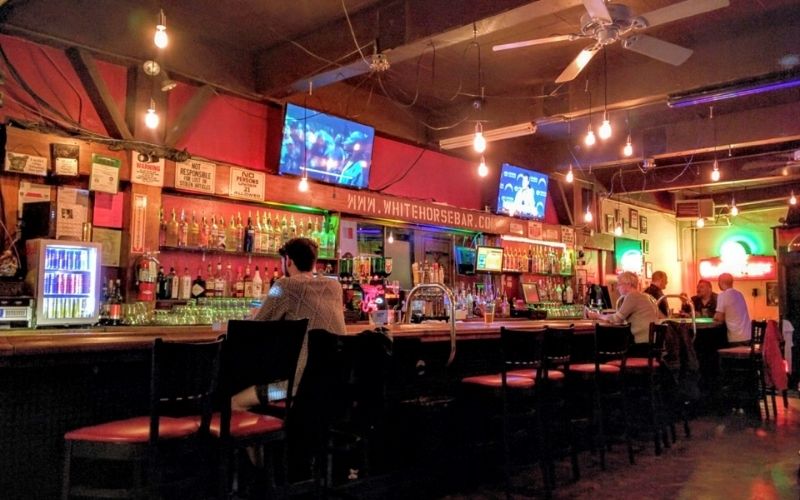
656	289
705	302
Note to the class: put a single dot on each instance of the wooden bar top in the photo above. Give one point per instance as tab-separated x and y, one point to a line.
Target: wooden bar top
106	338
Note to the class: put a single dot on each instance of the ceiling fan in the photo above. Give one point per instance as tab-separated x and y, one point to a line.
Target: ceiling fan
607	23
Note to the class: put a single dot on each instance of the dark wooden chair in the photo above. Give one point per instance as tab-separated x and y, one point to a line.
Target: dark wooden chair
256	353
168	450
742	369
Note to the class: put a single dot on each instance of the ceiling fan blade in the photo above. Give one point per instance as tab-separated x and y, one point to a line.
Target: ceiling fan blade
658	49
537	41
681	10
597	10
577	64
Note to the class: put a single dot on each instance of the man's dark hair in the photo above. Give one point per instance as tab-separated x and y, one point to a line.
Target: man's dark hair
302	251
704	281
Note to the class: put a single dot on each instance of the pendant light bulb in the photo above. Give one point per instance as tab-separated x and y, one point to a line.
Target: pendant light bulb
701	222
570	175
587	217
618	229
479	142
589	140
483	170
161	39
390	239
605	128
792	199
734	208
715	171
303	186
628	149
151	119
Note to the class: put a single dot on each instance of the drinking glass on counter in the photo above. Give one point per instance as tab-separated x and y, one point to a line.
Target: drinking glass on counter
488	312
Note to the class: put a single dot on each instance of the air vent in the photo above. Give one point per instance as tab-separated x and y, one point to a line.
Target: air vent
692	209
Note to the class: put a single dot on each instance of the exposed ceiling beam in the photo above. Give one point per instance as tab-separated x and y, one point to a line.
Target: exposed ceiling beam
188	114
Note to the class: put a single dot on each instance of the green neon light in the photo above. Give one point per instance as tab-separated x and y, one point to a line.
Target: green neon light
752	244
297	208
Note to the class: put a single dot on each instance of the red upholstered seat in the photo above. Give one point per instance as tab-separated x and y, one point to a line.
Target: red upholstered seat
135	430
245	423
496	380
531	373
633	363
742	351
589	368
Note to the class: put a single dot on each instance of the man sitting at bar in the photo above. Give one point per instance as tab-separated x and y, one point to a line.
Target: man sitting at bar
297	295
656	289
705	302
637	308
732	310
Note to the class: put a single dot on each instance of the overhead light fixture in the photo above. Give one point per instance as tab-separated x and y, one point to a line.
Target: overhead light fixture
151	119
628	149
647	164
479	141
738	88
303	185
498	134
734	208
161	39
167	83
570	175
715	171
483	170
792	199
605	127
700	222
618	229
589	140
390	239
587	217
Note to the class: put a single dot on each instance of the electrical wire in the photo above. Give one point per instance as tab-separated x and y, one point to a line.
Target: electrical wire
353	33
405	174
68	82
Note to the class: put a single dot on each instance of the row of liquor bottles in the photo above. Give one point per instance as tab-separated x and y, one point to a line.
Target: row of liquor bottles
222	283
263	235
537	259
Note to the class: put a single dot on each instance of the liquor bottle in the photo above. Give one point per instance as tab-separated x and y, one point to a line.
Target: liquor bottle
228	280
172	231
258	284
275	276
301	229
239	233
257	228
238	287
248	282
199	285
222	233
162	228
315	234
310	230
174	283
210	287
204	235
183	230
115	305
213	233
219	281
161	284
292	228
266	235
284	231
186	285
194	233
230	236
249	233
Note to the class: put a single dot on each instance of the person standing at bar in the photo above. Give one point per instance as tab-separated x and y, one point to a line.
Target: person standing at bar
732	310
705	302
656	289
297	295
637	308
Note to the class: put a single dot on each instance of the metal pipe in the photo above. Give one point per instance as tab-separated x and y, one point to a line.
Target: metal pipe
449	294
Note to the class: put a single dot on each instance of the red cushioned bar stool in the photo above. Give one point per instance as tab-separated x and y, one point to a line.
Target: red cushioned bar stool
167	451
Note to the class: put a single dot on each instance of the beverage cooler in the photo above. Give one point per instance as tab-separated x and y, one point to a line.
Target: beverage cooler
65	279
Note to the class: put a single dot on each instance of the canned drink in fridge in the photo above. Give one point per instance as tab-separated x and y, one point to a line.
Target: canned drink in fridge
84	260
79	283
60	285
76	308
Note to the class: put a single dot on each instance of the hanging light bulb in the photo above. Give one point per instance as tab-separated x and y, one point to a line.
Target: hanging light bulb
587	217
701	222
605	128
390	239
628	149
618	229
589	140
792	199
715	171
483	170
570	175
151	119
479	142
303	186
734	208
161	39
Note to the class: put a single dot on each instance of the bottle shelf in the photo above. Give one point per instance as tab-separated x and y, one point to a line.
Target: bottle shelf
220	251
67	295
515	271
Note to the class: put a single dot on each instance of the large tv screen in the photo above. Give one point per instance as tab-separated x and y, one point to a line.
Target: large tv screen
522	192
334	150
489	260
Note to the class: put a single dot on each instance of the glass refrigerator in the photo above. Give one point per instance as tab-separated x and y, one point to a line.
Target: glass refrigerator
65	279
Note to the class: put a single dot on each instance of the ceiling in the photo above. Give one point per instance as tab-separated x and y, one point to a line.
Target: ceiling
441	64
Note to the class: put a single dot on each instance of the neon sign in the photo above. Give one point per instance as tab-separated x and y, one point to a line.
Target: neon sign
734	259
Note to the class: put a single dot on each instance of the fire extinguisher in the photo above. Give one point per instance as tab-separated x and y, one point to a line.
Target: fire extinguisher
146	266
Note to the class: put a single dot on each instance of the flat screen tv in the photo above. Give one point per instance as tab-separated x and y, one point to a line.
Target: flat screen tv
522	193
489	260
628	255
333	150
465	260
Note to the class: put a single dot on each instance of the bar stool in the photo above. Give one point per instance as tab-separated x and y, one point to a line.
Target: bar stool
744	365
183	382
607	381
256	353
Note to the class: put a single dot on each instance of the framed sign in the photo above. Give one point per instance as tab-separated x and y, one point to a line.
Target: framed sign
247	184
150	173
643	224
104	175
26	164
772	293
65	159
609	223
195	175
633	216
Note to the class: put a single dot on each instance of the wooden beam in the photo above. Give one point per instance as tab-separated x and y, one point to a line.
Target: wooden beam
188	115
95	86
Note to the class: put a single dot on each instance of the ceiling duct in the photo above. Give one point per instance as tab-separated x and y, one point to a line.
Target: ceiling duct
694	209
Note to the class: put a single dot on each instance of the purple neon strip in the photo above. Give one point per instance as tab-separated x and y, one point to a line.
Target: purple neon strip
681	102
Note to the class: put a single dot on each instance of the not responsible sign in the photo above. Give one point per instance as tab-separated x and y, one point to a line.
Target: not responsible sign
195	175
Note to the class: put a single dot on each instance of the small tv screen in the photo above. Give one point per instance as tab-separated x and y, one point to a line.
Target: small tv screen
628	255
522	193
489	260
465	260
332	149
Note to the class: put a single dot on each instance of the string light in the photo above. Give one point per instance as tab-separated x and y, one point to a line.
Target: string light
701	222
715	171
605	128
628	149
303	186
589	140
587	217
151	119
618	229
161	39
390	239
479	142
570	175
483	170
734	208
792	199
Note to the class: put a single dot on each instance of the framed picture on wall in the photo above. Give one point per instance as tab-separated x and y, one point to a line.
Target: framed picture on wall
648	270
643	224
609	223
633	216
772	293
645	247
